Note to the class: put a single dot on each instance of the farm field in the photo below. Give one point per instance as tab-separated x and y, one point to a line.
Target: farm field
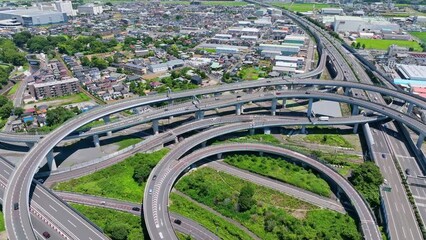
381	44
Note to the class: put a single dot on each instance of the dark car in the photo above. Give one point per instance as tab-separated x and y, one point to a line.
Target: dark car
408	171
137	209
46	235
177	221
155	177
16	206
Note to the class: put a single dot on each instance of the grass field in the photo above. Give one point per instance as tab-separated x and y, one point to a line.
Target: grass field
115	181
303	7
381	44
14	89
273	215
328	139
420	35
2	228
250	73
224	3
281	170
222	228
65	100
106	219
128	142
210	50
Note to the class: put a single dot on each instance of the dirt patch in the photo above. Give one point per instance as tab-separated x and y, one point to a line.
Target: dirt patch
299	214
3	235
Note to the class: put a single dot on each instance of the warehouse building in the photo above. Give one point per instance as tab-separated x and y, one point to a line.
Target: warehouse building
54	88
90	9
412	72
284	49
363	24
298	39
299	61
332	11
226	50
33	17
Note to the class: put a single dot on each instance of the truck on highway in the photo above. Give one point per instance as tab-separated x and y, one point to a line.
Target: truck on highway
323	118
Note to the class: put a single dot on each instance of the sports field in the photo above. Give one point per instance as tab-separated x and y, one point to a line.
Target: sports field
381	44
302	7
420	35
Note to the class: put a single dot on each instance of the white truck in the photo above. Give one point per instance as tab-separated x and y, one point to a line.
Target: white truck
323	118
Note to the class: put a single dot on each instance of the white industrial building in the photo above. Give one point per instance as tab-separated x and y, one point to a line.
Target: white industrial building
332	11
412	72
244	31
65	7
226	50
285	49
295	39
90	9
286	64
223	36
363	24
299	61
34	17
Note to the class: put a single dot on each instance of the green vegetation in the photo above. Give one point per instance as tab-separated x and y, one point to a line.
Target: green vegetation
2	228
182	236
272	215
303	7
281	170
329	139
59	115
14	89
216	224
65	44
115	181
117	225
128	142
367	179
67	99
420	35
382	44
251	73
9	53
210	50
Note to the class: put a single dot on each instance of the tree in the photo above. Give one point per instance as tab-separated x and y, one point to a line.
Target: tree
6	109
411	49
117	231
21	38
245	199
358	45
141	173
85	61
58	116
367	179
18	111
363	46
353	44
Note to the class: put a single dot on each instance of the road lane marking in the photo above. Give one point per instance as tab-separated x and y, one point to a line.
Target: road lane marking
72	223
53	208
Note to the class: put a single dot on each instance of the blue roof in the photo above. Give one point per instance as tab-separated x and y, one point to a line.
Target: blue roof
28	119
410	82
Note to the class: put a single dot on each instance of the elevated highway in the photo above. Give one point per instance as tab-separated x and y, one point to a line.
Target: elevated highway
172	166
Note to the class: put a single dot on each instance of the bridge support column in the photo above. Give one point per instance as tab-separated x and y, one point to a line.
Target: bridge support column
238	109
303	130
410	108
347	90
155	126
284	103
266	131
274	107
51	161
356	128
251	131
176	140
355	110
420	141
261	154
204	144
309	112
30	144
219	156
96	140
106	119
109	133
199	114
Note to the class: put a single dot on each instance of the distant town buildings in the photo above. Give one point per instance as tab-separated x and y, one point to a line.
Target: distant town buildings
90	9
65	7
54	88
34	17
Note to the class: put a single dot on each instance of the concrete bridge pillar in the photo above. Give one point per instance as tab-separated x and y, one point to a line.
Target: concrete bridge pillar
356	128
347	90
109	133
261	154
106	119
204	144
303	130
274	106
96	140
284	103
266	131
176	140
238	109
155	126
251	131
309	112
30	144
199	114
355	110
51	161
410	108
219	156
420	141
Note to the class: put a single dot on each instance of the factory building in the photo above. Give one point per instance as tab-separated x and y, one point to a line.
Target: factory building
297	39
360	24
65	7
33	17
244	31
54	88
412	72
90	9
284	49
226	50
299	61
332	11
